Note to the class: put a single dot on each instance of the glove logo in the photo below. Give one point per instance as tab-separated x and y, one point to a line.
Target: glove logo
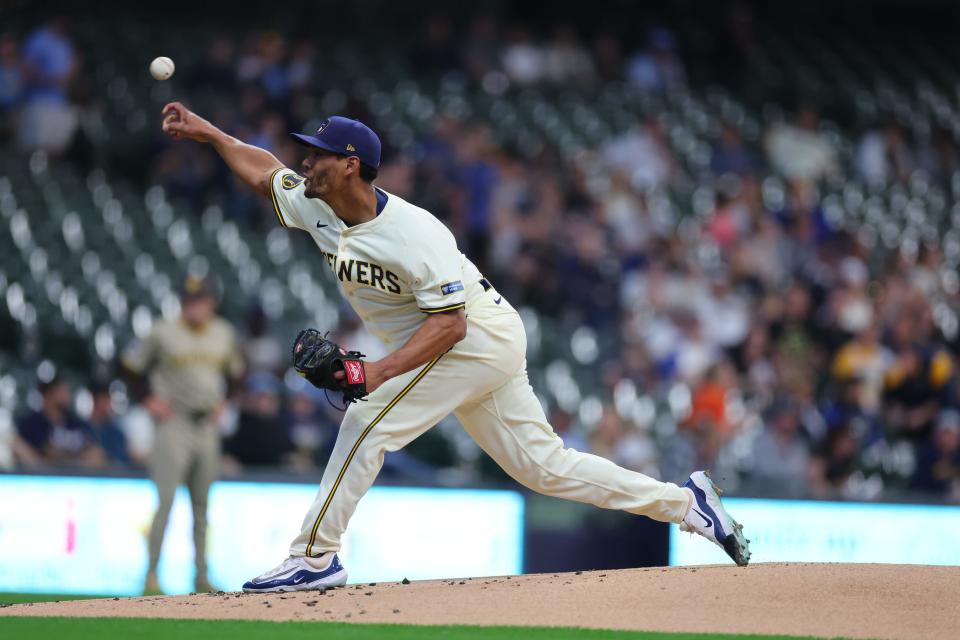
354	370
320	361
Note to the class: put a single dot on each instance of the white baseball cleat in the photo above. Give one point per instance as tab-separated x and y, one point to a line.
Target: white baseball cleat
708	518
296	573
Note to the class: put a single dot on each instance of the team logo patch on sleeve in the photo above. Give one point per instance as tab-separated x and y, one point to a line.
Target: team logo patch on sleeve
451	287
291	181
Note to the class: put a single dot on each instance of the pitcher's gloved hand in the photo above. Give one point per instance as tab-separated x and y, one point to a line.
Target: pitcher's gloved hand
326	365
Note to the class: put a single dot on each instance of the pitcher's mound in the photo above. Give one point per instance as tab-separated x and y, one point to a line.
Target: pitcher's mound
857	601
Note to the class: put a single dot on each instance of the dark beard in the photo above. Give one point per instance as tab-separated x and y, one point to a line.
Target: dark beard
308	190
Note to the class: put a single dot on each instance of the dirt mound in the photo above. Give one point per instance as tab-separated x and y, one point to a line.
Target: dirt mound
858	601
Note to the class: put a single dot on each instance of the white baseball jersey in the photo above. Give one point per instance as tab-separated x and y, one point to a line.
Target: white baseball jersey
393	269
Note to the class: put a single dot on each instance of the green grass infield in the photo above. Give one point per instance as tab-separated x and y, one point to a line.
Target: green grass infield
165	629
20	598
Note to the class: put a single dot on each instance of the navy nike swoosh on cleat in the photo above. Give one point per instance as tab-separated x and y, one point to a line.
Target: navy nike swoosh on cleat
497	301
705	518
701	498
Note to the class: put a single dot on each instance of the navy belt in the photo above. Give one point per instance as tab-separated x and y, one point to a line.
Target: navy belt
485	284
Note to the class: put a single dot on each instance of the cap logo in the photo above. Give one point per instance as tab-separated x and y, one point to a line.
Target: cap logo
323	125
350	147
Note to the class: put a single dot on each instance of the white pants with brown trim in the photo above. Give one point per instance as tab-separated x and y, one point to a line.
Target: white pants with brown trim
483	381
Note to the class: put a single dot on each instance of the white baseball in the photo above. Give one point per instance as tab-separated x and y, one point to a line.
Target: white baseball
161	68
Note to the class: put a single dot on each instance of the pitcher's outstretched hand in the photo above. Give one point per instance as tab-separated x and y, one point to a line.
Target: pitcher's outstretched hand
180	122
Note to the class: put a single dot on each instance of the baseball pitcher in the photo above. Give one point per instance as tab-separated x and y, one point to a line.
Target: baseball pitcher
457	346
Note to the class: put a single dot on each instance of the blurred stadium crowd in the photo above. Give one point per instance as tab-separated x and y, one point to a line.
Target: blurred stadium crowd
722	275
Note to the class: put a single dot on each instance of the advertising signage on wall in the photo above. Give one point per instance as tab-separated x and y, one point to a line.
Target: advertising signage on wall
89	535
804	531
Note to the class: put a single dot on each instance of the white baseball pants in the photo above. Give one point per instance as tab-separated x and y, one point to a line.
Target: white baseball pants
483	381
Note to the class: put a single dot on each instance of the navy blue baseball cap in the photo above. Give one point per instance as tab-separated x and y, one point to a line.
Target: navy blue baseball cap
346	137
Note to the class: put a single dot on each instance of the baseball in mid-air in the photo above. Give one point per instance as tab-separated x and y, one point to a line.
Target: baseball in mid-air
161	68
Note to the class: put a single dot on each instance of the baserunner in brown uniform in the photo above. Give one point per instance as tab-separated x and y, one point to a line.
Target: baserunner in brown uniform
188	362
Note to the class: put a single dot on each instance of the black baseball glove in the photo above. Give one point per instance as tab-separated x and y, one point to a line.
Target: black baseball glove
319	360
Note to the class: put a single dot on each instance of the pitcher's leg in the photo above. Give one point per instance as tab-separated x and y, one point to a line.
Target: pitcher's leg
509	424
396	413
399	411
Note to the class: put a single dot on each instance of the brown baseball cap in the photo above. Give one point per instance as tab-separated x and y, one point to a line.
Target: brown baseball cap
195	287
